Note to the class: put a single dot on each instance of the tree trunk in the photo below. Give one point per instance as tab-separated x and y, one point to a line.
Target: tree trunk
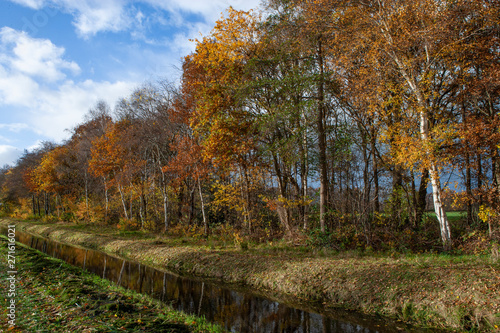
364	206
46	203
438	207
191	211
376	187
480	177
33	202
165	197
323	192
248	200
131	203
244	196
57	206
396	196
87	195
180	200
123	201
365	201
304	170
468	186
205	224
435	179
106	198
433	169
495	169
422	196
283	214
141	212
304	173
165	208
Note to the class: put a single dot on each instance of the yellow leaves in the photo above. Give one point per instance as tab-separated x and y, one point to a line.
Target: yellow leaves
213	74
408	150
227	195
411	150
486	214
229	40
45	177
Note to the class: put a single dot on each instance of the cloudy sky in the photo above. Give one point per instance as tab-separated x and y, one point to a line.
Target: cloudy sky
59	57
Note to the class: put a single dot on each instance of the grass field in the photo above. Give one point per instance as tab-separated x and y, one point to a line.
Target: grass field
452	216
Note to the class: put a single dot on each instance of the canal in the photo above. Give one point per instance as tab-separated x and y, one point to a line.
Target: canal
236	309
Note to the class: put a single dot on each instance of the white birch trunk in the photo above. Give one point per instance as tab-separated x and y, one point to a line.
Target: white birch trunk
123	201
86	195
205	225
106	194
305	173
434	175
165	210
433	169
164	192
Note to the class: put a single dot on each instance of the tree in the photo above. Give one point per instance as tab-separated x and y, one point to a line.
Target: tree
212	79
96	123
114	159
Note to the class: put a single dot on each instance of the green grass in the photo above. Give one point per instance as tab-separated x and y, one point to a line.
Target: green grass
53	296
452	216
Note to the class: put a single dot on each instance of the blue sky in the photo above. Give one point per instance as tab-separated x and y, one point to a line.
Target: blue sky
59	57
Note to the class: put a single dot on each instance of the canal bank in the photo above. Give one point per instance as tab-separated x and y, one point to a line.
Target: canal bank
427	290
51	296
234	309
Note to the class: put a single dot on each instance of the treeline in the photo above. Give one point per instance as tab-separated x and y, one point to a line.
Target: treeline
329	119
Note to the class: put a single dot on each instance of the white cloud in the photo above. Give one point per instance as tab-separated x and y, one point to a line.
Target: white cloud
36	77
37	145
93	16
211	10
34	57
17	88
40	86
53	111
90	16
62	109
34	4
9	155
16	127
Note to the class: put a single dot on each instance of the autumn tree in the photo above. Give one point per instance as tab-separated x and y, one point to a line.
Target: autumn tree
19	182
213	77
151	111
477	53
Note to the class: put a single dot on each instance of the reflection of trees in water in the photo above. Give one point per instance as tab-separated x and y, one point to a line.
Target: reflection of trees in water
236	311
113	267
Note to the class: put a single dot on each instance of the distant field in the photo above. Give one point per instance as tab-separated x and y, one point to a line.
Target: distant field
452	216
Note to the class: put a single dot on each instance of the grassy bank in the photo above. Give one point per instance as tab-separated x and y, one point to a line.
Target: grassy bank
52	296
443	291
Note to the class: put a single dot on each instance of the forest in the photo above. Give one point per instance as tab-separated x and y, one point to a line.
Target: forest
355	124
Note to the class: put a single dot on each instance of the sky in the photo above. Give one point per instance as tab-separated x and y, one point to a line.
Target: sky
58	58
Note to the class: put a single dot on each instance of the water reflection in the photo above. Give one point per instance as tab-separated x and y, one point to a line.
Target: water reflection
236	311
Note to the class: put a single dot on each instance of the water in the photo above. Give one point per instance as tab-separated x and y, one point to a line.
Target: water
236	310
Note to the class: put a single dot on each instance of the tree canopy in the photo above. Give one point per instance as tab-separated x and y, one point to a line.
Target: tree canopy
353	124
